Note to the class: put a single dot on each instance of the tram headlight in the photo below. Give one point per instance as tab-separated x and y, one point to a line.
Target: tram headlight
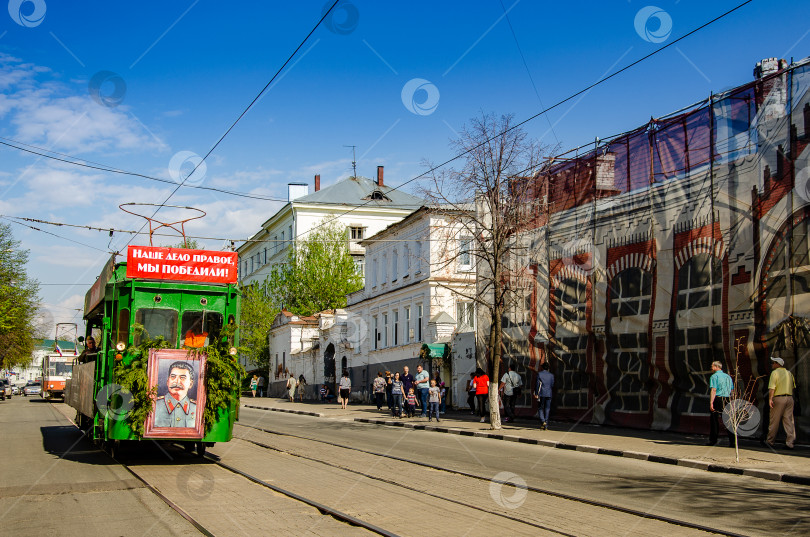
232	351
120	346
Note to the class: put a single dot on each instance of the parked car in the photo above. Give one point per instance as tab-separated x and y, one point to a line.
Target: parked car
5	387
15	390
32	389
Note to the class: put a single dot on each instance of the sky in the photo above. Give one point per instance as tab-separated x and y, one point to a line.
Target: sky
150	87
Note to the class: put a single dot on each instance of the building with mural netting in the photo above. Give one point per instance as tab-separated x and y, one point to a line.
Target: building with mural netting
658	251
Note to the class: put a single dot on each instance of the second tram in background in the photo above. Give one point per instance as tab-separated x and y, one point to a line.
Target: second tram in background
57	366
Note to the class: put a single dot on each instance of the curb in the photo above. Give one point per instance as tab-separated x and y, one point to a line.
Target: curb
288	411
638	455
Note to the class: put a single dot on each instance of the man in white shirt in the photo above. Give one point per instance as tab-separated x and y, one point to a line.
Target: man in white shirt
510	384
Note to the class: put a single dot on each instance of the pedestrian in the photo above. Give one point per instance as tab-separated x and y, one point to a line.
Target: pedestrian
543	393
443	405
422	381
378	387
326	393
780	400
510	387
396	395
434	399
407	382
291	384
471	393
260	386
388	396
254	382
410	404
345	389
302	385
721	387
481	382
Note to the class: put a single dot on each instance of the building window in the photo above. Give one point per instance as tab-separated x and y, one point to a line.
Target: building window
408	330
374	269
246	269
396	327
465	316
417	262
357	233
698	340
464	255
572	344
376	333
360	266
251	264
265	256
419	322
630	294
283	242
394	263
276	245
385	330
384	269
290	235
406	261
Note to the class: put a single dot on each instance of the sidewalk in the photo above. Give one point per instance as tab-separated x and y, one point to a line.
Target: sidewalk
654	446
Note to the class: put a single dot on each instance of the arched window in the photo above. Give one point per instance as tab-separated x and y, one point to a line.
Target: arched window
698	335
629	299
572	342
344	365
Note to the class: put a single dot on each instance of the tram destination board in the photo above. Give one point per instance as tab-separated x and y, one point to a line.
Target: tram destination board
161	263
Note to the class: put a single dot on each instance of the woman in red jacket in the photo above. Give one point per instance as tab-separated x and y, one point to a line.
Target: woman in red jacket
481	382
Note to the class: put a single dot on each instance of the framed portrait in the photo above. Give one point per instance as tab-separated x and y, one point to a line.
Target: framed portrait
180	401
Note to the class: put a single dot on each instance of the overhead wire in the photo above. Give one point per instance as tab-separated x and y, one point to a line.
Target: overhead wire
77	161
540	113
55	235
245	111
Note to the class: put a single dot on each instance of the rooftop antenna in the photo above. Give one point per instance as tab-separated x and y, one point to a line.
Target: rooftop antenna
354	160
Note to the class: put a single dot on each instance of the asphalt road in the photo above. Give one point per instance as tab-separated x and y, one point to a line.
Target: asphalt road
53	481
738	504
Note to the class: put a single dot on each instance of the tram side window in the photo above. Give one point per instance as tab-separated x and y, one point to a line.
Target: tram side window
200	328
122	329
157	322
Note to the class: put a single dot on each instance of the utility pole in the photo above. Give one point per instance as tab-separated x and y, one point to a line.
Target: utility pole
354	159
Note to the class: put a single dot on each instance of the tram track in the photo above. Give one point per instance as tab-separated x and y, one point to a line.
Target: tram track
534	489
336	514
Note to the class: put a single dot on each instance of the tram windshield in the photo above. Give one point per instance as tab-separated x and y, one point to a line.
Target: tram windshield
157	322
200	328
60	369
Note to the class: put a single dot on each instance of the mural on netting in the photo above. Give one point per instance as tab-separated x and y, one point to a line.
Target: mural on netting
664	249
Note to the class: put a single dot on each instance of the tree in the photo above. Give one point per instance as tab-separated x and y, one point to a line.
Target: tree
319	272
257	313
494	194
19	303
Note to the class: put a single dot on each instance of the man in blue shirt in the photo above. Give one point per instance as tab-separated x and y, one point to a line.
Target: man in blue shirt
543	394
422	381
721	387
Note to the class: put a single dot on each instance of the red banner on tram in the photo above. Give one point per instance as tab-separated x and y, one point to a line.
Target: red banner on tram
159	263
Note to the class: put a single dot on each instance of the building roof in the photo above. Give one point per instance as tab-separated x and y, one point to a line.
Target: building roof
442	318
423	209
360	191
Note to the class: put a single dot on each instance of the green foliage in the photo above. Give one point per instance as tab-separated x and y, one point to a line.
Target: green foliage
223	375
256	317
319	273
132	376
19	303
189	244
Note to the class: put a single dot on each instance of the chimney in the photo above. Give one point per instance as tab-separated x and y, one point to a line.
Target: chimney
317	182
380	176
768	66
296	190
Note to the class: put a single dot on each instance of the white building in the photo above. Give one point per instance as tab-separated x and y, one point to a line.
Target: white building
418	283
361	204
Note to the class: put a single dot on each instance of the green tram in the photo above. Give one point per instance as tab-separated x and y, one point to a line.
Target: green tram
165	364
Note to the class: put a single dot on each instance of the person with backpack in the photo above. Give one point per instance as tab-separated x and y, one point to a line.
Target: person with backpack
510	387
